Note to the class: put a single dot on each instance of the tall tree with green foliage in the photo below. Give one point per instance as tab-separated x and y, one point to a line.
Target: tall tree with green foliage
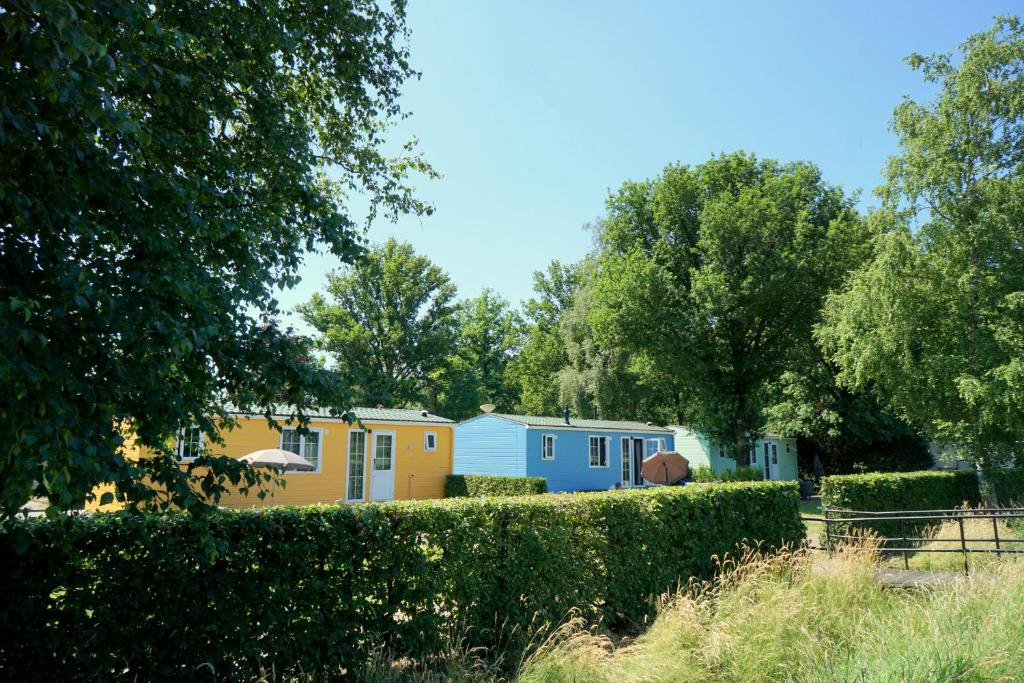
934	324
166	167
713	274
489	336
388	324
601	380
535	368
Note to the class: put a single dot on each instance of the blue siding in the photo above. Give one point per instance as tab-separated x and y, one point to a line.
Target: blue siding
490	445
571	470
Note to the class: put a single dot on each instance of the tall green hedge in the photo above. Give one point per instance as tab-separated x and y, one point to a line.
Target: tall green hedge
143	598
893	491
461	485
1007	484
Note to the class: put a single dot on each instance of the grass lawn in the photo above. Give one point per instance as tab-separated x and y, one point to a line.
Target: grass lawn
812	507
797	618
947	537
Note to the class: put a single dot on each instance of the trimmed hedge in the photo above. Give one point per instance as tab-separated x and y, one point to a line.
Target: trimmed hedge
892	491
1007	484
143	597
462	485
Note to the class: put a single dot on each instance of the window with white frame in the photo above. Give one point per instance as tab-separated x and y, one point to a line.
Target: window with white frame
306	445
189	444
547	447
775	454
652	446
753	454
356	464
599	451
430	441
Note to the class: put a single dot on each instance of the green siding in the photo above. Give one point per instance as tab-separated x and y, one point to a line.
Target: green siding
698	450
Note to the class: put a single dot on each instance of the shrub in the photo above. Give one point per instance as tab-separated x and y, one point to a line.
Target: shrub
320	587
702	474
892	491
461	485
1007	485
748	474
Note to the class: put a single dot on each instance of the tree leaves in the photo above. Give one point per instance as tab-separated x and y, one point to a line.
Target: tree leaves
928	323
166	169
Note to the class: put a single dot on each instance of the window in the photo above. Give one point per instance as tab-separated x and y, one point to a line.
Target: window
307	445
356	465
652	446
189	444
753	455
547	447
382	451
598	451
775	454
430	441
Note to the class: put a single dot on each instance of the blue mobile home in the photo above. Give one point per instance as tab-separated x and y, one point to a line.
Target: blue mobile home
572	454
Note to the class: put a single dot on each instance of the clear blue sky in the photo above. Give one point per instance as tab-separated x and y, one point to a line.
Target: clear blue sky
532	111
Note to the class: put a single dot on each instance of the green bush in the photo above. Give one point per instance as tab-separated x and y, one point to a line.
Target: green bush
461	485
319	588
702	474
898	491
748	474
1007	485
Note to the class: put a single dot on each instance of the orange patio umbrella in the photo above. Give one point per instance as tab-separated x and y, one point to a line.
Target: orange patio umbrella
665	467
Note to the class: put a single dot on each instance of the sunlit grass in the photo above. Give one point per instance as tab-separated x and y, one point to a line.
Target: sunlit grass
797	617
812	508
947	537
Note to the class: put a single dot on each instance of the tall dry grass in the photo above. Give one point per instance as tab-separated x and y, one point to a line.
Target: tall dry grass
795	617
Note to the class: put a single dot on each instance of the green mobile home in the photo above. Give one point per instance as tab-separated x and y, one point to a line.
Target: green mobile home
774	455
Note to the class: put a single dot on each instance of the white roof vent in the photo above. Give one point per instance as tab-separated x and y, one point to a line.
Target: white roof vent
424	413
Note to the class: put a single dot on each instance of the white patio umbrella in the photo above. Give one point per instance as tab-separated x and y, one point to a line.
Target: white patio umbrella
278	459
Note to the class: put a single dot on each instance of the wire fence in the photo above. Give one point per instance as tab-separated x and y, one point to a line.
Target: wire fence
908	532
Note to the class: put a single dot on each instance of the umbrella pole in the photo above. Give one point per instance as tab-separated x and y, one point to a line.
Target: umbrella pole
665	465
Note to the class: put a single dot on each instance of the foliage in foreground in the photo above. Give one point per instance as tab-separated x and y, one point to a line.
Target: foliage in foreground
167	165
795	618
459	485
326	587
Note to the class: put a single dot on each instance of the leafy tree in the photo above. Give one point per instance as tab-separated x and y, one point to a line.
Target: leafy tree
933	324
166	166
850	430
490	334
714	274
388	322
543	354
598	379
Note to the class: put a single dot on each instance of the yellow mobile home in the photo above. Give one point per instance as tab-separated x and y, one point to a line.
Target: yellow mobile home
388	454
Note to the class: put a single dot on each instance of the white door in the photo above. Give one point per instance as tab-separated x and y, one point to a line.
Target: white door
775	462
382	469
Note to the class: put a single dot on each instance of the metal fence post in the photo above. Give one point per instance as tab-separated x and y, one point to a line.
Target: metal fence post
995	531
903	531
963	543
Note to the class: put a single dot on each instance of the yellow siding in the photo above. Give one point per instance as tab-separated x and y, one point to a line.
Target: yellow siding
418	473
